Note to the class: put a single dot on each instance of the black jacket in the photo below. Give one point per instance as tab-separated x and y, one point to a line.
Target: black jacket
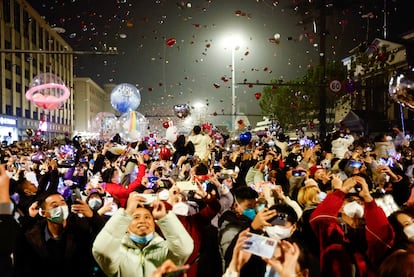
230	225
71	255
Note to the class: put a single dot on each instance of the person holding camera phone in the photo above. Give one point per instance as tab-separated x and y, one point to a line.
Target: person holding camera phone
129	246
353	232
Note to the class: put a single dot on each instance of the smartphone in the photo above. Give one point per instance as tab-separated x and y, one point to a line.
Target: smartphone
355	164
114	207
298	173
280	219
76	194
260	245
150	197
176	273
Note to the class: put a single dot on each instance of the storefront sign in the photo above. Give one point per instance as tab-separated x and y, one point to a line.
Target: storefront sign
7	121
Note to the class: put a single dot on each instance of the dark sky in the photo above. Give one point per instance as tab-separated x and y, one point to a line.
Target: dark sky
187	71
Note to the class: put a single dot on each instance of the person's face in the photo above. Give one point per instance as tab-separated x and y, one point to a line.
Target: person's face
142	222
245	204
53	201
405	220
115	177
319	174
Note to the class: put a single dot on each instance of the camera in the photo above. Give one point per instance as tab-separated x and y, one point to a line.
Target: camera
280	219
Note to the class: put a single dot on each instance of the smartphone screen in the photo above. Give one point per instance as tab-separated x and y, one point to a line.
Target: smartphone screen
260	245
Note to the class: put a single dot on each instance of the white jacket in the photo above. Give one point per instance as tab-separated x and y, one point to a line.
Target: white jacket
118	255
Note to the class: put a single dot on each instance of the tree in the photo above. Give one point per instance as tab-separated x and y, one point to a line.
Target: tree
296	103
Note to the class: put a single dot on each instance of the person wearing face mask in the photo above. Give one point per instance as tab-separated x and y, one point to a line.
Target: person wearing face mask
403	223
129	246
356	242
195	223
59	243
112	179
242	215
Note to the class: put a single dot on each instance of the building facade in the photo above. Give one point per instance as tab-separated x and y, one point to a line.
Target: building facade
90	99
29	47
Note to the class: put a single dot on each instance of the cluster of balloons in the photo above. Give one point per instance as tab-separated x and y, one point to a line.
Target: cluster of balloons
131	126
47	91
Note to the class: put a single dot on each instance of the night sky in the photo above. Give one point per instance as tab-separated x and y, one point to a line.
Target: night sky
197	67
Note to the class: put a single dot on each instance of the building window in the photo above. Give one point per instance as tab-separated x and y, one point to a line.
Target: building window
18	87
35	115
9	110
18	112
17	17
27	113
8	64
7	43
18	69
8	83
6	11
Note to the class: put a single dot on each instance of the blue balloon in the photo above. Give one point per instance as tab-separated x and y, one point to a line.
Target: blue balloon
245	138
125	97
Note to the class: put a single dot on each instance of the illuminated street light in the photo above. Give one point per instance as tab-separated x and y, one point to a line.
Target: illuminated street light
233	42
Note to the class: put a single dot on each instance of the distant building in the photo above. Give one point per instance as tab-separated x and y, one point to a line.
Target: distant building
90	99
29	47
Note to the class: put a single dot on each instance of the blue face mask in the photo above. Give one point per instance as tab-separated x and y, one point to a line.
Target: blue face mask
141	239
250	213
321	196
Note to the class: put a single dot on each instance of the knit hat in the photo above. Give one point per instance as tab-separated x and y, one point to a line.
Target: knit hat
313	169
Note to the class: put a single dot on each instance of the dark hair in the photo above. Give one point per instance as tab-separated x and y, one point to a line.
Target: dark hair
398	264
401	239
107	174
286	209
201	169
41	199
197	129
244	193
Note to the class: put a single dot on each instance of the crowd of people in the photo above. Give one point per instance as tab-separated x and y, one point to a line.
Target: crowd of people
200	206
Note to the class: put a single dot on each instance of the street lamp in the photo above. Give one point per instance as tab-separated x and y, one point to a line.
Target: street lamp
233	42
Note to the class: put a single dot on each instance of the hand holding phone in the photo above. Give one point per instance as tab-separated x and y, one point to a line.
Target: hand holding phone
260	245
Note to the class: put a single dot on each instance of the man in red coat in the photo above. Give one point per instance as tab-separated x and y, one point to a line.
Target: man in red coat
354	243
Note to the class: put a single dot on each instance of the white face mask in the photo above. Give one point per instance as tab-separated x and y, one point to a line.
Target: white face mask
180	208
95	203
164	195
409	231
278	232
321	196
59	214
353	209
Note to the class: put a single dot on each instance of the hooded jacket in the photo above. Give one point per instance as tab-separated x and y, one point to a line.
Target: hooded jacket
118	255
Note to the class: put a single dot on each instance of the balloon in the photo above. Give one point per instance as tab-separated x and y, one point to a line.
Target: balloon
38	157
257	95
182	110
165	124
29	132
132	126
125	97
245	138
170	42
171	133
47	91
105	125
165	153
401	89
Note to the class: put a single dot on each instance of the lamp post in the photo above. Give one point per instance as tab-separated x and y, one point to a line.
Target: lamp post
233	42
233	90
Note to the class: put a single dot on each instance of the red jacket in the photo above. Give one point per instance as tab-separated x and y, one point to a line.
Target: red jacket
121	192
194	225
335	257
